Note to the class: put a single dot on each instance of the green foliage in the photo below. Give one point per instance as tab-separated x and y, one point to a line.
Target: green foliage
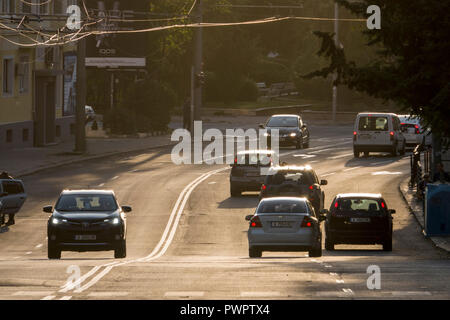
411	67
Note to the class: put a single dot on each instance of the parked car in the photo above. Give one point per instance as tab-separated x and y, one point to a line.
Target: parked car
12	198
294	181
249	170
87	220
412	130
291	130
284	224
378	132
358	218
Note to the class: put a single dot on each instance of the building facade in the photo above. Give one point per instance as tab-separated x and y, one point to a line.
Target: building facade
37	96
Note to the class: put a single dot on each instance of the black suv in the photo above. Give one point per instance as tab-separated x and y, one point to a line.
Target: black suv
87	220
249	170
291	130
358	218
294	181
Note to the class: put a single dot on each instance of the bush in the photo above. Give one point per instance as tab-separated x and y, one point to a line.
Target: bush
248	91
119	121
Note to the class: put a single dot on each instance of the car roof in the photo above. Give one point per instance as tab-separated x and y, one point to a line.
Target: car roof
87	191
275	199
285	115
256	152
376	114
359	195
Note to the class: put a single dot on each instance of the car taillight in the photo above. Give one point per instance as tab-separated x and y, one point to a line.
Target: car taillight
392	135
235	160
263	187
354	135
417	129
311	187
307	222
255	222
383	205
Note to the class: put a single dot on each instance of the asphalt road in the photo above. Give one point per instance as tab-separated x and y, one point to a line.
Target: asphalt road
187	236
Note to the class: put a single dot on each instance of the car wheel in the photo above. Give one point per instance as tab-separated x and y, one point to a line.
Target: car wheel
53	251
329	245
356	152
254	253
121	250
235	192
394	151
387	245
315	252
298	145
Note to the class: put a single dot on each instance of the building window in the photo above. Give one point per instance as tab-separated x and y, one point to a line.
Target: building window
8	76
9	135
25	134
23	73
7	6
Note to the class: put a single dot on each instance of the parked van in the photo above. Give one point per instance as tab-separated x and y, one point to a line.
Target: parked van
378	132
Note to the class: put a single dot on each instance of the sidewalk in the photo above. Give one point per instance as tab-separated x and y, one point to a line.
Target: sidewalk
416	208
25	161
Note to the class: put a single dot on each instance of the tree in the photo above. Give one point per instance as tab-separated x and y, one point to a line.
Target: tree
411	66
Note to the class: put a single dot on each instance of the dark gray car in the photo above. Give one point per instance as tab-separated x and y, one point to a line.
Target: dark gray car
292	130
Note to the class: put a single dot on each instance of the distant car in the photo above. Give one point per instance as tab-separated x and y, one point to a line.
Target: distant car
12	196
291	130
378	132
90	113
294	181
247	171
284	224
412	130
87	220
358	218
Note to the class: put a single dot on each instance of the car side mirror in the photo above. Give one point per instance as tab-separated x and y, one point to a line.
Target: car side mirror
126	209
323	182
391	211
48	209
249	217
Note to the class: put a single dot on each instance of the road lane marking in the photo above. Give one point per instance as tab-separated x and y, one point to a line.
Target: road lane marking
327	174
349	169
164	242
377	173
70	285
66	298
29	252
48	298
213	182
348	291
410	293
339	281
183	294
101	184
38	246
108	294
334	274
259	294
114	178
340	156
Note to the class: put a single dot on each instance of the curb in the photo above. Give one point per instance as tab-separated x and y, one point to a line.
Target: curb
98	156
438	242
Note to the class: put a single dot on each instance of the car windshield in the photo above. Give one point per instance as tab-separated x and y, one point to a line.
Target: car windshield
283	122
282	206
86	203
373	124
290	177
359	205
253	159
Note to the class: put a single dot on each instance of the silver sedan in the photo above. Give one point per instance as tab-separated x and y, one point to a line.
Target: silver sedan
284	224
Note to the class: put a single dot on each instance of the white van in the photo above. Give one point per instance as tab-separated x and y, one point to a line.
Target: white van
378	132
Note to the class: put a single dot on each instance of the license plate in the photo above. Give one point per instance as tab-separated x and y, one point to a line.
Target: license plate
281	224
85	237
359	219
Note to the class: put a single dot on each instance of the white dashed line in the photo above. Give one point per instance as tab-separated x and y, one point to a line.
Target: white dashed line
29	252
101	184
38	246
184	294
108	294
339	281
349	169
32	293
114	178
341	156
260	294
213	182
66	298
327	174
48	298
348	291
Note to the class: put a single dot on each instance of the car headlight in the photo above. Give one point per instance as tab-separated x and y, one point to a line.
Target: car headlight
55	221
293	134
115	221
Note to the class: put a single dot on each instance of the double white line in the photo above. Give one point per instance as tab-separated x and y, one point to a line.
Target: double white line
158	251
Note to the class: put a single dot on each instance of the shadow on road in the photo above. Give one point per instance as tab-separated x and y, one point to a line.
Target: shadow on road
244	201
